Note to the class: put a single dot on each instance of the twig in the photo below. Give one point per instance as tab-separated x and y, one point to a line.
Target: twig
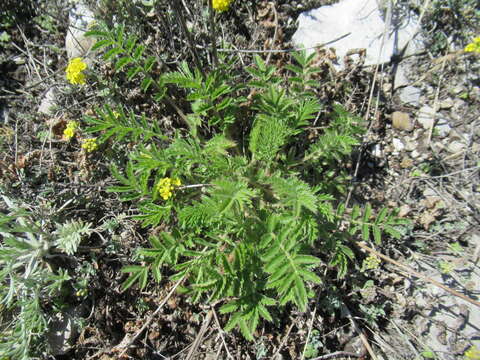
150	318
199	337
253	51
284	340
435	101
407	340
335	355
214	33
220	330
275	33
417	274
370	97
309	333
181	19
360	333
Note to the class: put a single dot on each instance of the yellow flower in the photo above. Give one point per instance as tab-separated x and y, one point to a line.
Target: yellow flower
221	5
371	262
74	71
474	46
69	131
90	145
472	354
166	186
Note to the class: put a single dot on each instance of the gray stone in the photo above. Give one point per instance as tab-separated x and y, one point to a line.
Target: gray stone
48	102
456	147
410	95
426	116
442	128
76	43
363	23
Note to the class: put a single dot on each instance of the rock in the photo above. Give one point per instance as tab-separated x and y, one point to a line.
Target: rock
4	114
377	151
404	210
415	154
455	147
411	145
387	87
446	104
442	128
363	23
410	95
398	144
402	121
48	102
400	78
63	329
426	116
76	43
406	163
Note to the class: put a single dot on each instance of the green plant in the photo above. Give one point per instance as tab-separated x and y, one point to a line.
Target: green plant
256	214
314	345
28	278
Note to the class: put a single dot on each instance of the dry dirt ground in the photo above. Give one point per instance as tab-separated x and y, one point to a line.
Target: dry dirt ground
430	172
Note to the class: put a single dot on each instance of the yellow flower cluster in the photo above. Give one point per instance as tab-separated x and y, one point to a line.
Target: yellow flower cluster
474	46
221	5
166	186
69	131
74	71
473	353
371	262
90	145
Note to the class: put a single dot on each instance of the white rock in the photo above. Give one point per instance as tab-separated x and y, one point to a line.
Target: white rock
426	116
415	154
362	21
77	45
377	151
48	102
398	145
455	147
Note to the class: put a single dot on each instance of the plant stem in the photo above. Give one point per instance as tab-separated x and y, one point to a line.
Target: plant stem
214	33
193	49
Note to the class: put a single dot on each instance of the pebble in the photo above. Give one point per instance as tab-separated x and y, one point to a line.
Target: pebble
402	121
48	102
377	151
410	95
415	154
398	145
442	128
426	116
455	147
446	104
406	163
411	145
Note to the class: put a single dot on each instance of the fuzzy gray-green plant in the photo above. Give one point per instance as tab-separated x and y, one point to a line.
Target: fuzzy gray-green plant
253	215
27	280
